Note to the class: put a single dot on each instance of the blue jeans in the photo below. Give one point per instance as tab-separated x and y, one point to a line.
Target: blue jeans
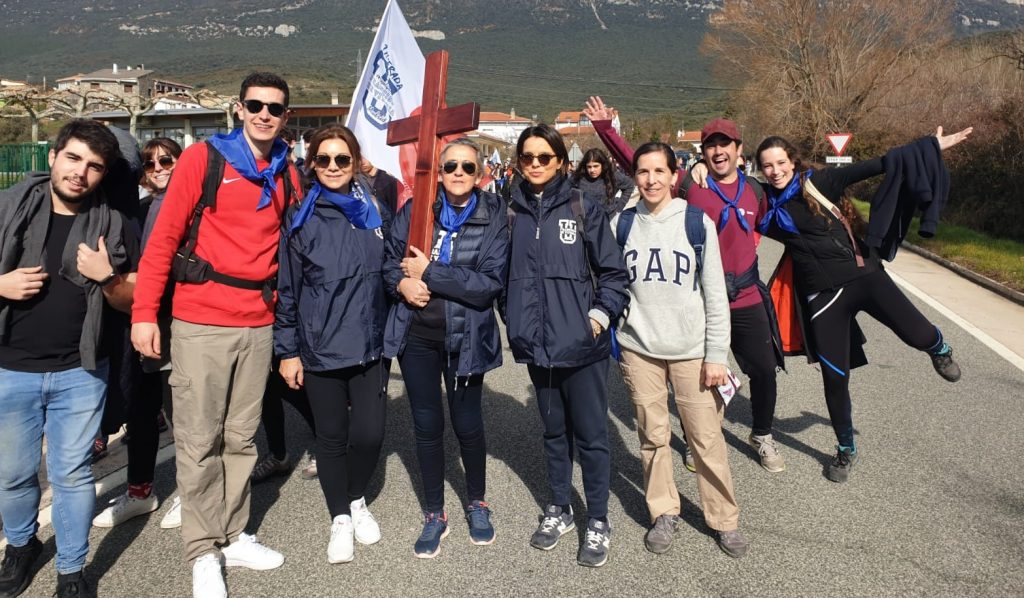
67	407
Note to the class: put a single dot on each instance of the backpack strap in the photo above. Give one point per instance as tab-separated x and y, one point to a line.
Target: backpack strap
696	234
211	183
576	205
622	226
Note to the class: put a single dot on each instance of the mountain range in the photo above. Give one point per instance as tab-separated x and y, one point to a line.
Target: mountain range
537	56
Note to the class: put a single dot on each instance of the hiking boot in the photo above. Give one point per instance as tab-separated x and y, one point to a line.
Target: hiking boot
73	585
594	551
688	458
123	508
481	532
945	366
16	568
555	524
172	519
208	578
435	529
341	549
659	538
732	543
367	530
309	472
838	469
269	466
246	551
768	452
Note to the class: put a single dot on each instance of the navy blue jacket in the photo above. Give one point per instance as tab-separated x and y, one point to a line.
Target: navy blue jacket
331	303
469	284
552	287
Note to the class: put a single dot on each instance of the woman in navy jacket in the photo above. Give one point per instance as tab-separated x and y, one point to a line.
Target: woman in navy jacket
444	326
329	328
566	285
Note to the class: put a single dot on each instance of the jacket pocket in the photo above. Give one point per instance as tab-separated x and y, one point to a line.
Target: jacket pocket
331	296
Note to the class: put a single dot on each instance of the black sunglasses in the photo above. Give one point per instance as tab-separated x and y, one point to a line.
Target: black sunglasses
256	106
467	167
324	161
164	161
544	159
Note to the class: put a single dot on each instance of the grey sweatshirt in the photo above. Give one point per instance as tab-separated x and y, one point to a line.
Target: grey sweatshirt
666	318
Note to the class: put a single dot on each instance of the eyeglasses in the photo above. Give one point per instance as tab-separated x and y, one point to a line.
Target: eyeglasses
164	161
324	161
467	167
544	159
256	106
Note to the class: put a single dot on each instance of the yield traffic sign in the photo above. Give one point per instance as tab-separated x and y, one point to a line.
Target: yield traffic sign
839	141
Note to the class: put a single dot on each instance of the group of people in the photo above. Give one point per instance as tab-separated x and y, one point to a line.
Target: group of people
242	269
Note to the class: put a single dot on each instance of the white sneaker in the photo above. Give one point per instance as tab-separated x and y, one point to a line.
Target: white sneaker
247	552
208	578
172	519
123	508
367	530
341	549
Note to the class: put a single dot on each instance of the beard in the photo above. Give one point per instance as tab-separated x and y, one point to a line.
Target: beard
69	199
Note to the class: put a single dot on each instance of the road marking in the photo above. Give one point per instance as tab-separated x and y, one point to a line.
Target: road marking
103	486
1000	349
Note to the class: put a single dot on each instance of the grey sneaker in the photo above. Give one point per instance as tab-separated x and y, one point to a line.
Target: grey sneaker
732	543
768	452
270	466
594	551
659	538
309	472
688	458
555	524
838	469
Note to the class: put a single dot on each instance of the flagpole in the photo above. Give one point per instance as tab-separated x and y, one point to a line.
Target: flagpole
350	121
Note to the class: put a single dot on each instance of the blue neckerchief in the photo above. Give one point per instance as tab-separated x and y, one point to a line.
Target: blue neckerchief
360	211
238	154
731	205
777	210
452	221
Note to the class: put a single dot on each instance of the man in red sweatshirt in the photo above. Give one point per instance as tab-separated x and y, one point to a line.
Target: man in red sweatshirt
221	335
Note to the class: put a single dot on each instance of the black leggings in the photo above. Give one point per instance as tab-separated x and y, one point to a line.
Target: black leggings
832	313
273	410
752	347
349	407
143	432
423	364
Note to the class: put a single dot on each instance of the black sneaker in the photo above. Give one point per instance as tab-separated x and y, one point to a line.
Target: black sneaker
16	569
555	523
838	469
594	551
945	366
73	585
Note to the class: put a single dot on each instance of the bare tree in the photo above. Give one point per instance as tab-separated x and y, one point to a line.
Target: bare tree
32	103
809	67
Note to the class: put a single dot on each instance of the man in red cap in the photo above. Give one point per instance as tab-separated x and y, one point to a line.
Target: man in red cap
736	203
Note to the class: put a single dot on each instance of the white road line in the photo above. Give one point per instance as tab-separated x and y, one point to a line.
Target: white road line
1000	349
103	486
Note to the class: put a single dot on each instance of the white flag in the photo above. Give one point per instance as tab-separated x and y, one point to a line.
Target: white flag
390	88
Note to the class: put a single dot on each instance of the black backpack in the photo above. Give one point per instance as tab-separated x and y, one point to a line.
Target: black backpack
189	267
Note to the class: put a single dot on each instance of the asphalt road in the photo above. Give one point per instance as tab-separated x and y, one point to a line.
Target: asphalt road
934	508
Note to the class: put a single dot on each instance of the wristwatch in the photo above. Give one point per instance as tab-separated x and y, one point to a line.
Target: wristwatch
108	279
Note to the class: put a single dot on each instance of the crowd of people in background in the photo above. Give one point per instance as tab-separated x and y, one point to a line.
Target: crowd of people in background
252	279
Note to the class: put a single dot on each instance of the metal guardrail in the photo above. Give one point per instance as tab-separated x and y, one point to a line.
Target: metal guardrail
17	159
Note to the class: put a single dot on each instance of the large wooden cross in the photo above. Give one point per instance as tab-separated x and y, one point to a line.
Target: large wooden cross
433	122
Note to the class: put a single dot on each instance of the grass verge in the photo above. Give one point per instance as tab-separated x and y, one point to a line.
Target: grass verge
1001	260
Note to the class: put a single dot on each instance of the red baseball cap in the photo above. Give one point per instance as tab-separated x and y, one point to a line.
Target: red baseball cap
721	126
